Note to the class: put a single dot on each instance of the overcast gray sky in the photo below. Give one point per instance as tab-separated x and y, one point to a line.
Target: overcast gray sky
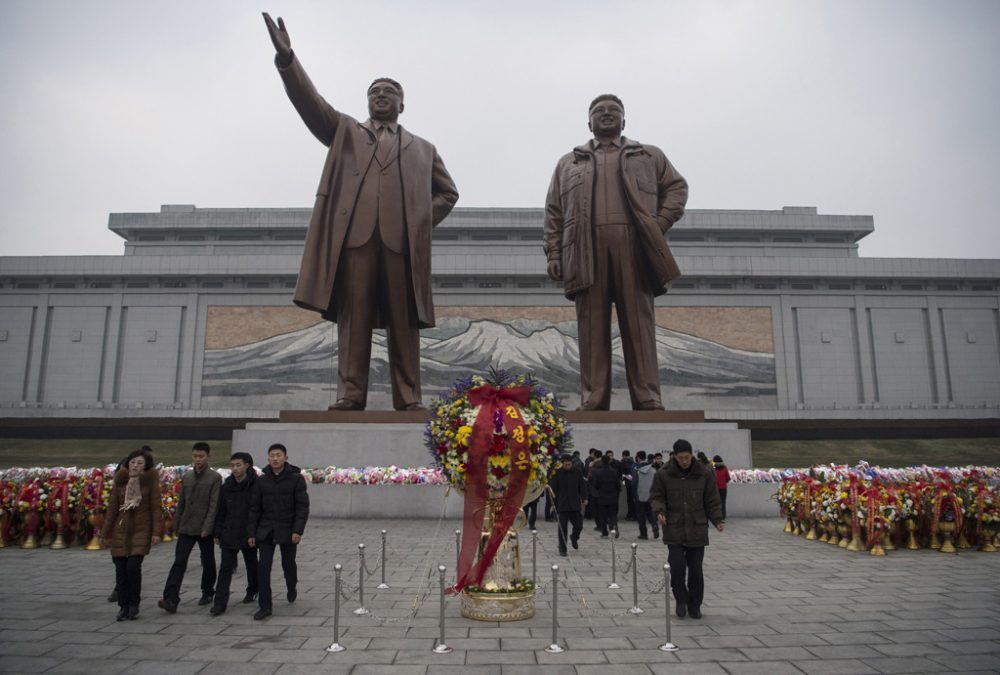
877	107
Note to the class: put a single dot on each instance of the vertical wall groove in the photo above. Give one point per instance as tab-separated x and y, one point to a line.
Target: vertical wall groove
944	350
935	394
856	339
31	349
104	354
798	355
874	359
996	334
44	356
180	355
120	355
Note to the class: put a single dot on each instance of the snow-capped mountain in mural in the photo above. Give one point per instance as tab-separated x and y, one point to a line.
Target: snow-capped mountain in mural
288	367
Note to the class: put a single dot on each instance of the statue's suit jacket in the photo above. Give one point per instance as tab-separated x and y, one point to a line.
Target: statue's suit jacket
656	195
428	195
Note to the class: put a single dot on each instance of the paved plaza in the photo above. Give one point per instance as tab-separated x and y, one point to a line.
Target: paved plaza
774	604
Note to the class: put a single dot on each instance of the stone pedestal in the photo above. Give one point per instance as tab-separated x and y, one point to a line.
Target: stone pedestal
317	439
383	438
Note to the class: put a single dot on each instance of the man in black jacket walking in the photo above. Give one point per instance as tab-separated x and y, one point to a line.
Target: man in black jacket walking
239	491
607	485
278	516
569	491
685	499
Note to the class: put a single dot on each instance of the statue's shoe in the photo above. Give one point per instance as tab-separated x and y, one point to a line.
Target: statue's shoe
346	404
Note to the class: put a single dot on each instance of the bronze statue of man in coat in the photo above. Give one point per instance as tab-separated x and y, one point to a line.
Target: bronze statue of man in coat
609	206
367	258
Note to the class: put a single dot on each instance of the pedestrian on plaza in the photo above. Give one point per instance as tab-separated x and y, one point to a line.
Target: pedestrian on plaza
569	491
629	475
133	523
550	507
122	464
615	464
231	532
645	471
685	499
278	516
721	481
194	523
705	462
593	458
531	512
607	486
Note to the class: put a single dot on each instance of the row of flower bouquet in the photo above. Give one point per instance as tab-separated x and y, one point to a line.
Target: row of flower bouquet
60	506
864	508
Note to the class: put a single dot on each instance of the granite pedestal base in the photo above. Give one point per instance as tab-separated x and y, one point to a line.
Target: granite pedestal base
401	443
385	438
436	501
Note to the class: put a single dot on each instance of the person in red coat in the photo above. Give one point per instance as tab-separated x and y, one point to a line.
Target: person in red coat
721	481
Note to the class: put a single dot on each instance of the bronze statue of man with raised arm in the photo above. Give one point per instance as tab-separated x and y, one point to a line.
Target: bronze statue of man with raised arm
367	257
609	205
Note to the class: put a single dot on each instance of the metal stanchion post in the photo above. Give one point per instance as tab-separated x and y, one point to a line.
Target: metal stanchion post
361	581
458	551
336	646
383	585
534	556
441	647
614	563
635	609
554	648
667	646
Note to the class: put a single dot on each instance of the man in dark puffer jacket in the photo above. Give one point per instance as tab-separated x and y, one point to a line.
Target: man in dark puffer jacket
239	491
278	517
684	499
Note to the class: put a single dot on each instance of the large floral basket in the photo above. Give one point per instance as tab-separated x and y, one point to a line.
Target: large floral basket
498	439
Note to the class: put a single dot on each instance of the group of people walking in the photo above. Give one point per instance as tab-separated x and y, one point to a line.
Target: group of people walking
249	516
246	515
681	496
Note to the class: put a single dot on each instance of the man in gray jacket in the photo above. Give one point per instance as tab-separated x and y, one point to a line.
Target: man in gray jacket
684	498
644	481
194	523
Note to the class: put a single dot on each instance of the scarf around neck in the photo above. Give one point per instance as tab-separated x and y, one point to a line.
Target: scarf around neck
133	493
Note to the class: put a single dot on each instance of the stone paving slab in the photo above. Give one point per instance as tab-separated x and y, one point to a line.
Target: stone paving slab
775	603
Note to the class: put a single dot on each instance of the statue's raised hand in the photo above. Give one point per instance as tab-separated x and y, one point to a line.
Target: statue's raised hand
279	36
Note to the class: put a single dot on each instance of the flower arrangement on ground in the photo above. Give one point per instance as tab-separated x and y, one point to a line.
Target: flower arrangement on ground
875	502
449	431
498	438
515	586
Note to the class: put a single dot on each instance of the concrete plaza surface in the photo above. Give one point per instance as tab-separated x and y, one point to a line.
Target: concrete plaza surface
775	603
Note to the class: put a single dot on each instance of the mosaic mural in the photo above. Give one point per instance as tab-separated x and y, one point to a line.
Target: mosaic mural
281	358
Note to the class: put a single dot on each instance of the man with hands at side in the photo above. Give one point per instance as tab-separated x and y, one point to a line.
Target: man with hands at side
684	498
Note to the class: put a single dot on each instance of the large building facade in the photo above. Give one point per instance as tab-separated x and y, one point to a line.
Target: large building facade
776	317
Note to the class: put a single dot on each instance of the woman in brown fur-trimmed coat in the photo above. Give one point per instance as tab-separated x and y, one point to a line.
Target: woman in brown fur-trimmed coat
133	524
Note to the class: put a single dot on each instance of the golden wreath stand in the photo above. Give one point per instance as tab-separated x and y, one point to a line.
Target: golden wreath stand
503	571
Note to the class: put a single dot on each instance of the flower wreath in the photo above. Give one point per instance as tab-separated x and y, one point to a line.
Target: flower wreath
448	433
497	439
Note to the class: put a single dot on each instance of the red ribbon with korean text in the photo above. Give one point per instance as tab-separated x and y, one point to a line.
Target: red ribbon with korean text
981	491
855	522
499	414
59	498
806	512
874	499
